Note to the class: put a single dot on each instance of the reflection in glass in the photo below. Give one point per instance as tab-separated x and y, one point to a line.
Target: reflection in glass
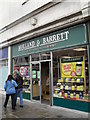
21	64
70	74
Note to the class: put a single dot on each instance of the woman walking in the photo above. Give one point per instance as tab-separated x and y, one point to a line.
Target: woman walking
9	87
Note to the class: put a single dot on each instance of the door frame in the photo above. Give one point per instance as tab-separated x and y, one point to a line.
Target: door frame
51	76
32	63
49	66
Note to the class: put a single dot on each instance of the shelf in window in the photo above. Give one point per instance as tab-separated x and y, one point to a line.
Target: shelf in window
70	82
57	89
72	90
26	84
56	95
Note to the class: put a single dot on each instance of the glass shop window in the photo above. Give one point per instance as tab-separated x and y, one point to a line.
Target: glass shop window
22	65
70	74
4	63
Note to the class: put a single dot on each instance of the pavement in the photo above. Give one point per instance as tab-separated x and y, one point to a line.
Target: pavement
33	109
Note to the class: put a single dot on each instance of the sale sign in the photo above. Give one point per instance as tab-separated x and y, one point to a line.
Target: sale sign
24	70
72	67
67	68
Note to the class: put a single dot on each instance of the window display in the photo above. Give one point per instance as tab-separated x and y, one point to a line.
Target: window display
25	73
22	65
72	75
70	88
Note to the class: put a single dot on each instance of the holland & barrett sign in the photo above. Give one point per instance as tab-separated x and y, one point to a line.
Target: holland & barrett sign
52	41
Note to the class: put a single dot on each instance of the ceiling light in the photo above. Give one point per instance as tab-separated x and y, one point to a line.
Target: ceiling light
80	49
45	54
66	57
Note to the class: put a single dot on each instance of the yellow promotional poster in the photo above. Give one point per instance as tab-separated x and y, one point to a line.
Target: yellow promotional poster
72	67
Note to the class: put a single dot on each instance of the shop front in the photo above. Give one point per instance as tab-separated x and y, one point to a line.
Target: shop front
54	67
36	73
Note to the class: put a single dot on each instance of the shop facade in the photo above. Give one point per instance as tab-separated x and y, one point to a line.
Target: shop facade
55	67
3	66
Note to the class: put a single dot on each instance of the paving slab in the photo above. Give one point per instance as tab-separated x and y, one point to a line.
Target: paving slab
34	109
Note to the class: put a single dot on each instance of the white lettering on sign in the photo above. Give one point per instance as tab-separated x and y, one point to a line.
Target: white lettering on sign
55	38
26	46
44	41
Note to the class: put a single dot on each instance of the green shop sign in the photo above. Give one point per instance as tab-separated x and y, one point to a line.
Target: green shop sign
56	40
67	60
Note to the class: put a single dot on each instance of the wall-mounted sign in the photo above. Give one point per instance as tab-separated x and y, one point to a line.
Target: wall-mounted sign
45	41
56	40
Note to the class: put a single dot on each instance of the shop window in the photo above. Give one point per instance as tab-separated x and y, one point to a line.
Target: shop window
70	74
22	65
4	63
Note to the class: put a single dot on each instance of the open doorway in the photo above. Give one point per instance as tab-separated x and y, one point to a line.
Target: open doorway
45	82
35	82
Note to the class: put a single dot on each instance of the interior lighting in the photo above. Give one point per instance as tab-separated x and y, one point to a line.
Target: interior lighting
79	49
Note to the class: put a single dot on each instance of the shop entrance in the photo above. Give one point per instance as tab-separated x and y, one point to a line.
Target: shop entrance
45	82
36	81
41	83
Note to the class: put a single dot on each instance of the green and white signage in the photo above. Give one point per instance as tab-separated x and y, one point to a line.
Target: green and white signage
57	40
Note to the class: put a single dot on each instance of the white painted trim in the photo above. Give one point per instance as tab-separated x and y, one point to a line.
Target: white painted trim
9	60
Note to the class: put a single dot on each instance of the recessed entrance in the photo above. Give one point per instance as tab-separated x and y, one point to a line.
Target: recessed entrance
41	82
41	85
45	82
35	82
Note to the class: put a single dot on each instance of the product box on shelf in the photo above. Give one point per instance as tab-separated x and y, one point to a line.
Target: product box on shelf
73	87
77	96
72	80
60	94
71	95
65	95
66	80
78	80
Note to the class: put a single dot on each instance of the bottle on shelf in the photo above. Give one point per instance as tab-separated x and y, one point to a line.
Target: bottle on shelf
68	94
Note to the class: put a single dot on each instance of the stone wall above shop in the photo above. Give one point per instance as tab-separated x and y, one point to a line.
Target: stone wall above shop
48	17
